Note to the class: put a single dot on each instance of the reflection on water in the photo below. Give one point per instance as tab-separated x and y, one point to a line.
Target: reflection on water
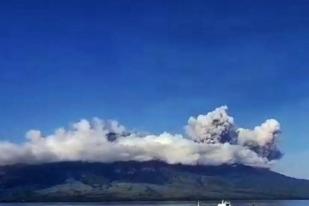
202	203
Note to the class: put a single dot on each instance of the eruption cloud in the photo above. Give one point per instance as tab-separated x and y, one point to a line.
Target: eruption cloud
210	139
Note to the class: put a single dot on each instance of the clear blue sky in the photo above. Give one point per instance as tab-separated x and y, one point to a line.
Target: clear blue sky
151	64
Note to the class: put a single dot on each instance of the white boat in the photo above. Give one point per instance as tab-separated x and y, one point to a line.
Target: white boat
225	203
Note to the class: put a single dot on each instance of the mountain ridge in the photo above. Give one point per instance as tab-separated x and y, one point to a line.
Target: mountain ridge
150	180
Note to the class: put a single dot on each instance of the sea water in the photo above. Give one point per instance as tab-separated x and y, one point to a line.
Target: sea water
172	203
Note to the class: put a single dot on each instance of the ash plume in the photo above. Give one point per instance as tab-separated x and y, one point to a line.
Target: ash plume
211	139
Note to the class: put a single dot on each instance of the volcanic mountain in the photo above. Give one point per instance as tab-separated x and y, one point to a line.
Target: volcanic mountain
152	180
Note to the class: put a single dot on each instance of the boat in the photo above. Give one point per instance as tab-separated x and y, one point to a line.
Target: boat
225	203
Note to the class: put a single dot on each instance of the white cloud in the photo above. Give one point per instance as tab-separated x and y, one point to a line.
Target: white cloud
212	140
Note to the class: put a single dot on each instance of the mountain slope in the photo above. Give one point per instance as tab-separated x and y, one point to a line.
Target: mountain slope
153	180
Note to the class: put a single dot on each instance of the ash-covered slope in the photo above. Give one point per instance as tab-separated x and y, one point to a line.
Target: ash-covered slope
153	180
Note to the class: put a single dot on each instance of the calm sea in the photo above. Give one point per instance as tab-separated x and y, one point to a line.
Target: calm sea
203	203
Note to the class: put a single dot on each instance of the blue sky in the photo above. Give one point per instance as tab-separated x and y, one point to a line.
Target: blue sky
152	64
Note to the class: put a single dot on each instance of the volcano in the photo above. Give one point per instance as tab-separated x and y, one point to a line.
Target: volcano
152	180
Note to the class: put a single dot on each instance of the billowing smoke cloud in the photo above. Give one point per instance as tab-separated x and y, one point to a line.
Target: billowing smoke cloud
210	139
215	127
262	139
